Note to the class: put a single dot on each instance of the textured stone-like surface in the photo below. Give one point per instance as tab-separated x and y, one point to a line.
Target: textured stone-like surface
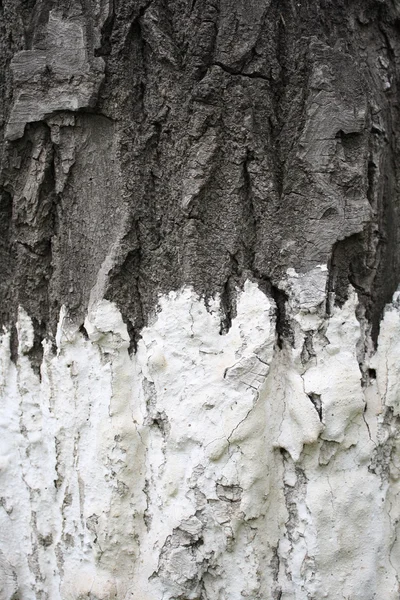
195	402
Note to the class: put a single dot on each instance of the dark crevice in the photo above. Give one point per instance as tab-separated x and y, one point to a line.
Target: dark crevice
226	309
14	343
338	278
307	352
371	174
106	32
35	354
350	142
161	422
7	258
316	400
348	137
235	72
143	9
237	262
229	296
124	289
38	250
283	328
83	332
134	335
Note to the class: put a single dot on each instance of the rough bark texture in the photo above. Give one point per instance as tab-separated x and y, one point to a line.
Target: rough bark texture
199	233
150	145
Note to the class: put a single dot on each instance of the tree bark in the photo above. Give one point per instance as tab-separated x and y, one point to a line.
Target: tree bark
199	258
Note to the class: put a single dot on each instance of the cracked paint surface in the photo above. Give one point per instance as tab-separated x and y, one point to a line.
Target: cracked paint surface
204	466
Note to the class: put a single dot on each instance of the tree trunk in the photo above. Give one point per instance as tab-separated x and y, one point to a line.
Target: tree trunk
199	256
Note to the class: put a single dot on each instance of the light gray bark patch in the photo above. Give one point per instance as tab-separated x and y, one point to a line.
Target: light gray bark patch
229	493
62	76
382	460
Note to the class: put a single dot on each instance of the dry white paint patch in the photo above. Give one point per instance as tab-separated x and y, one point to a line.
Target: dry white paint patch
205	466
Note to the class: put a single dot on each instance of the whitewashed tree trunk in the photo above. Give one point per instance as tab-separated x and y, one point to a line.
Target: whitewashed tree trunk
199	258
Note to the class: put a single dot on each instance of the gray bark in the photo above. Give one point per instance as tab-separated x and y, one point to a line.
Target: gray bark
196	143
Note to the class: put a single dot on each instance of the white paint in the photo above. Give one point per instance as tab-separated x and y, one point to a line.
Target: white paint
200	467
